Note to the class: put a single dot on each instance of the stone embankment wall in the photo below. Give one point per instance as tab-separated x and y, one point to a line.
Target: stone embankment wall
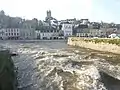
7	74
106	45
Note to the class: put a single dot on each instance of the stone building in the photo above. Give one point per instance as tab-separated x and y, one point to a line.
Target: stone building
27	33
81	30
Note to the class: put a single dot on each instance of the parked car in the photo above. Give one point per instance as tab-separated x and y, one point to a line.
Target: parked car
95	37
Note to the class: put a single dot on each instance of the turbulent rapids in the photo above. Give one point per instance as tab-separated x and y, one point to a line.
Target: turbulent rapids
47	65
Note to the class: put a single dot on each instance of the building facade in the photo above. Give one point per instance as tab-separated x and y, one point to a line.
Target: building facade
10	33
2	34
67	29
37	34
72	21
47	34
82	32
94	32
27	33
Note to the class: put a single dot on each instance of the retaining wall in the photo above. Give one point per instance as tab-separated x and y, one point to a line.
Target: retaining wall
7	74
92	44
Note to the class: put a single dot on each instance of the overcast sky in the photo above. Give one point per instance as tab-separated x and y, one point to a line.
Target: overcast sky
95	10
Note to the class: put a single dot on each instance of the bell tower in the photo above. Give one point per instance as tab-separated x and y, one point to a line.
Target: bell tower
48	14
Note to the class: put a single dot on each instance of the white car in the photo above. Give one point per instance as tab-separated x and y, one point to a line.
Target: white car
95	37
116	37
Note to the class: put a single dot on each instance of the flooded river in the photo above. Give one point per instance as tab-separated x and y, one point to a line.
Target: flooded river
53	65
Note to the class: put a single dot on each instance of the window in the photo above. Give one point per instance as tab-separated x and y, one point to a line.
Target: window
43	34
15	34
2	33
11	30
6	34
11	33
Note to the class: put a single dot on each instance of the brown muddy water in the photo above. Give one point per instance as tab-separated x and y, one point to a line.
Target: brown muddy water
53	65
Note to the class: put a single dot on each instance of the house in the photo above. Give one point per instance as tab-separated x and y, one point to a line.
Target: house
10	33
45	23
26	33
47	34
37	34
81	30
95	32
84	21
67	29
110	31
72	21
2	34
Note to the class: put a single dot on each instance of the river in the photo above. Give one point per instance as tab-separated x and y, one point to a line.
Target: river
53	65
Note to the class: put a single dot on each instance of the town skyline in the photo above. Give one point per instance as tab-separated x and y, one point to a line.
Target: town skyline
106	11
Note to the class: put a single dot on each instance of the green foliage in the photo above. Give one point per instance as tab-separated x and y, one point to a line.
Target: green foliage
110	41
98	40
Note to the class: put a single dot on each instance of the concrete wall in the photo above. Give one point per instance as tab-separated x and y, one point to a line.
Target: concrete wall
106	47
7	75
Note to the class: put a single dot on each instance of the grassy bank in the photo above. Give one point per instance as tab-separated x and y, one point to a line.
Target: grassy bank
99	40
100	44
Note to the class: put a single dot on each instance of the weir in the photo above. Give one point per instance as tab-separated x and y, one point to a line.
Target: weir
45	66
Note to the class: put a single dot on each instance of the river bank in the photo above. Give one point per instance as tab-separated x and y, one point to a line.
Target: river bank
104	45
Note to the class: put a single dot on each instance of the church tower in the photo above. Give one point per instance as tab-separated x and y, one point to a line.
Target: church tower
49	14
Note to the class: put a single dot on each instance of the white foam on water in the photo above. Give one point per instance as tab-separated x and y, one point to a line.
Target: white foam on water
89	78
86	77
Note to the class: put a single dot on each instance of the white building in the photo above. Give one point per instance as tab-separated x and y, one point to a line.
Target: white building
54	23
67	29
27	33
10	33
84	21
38	34
46	34
69	20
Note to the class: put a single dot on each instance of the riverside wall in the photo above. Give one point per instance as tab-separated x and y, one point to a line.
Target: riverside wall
100	46
7	74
